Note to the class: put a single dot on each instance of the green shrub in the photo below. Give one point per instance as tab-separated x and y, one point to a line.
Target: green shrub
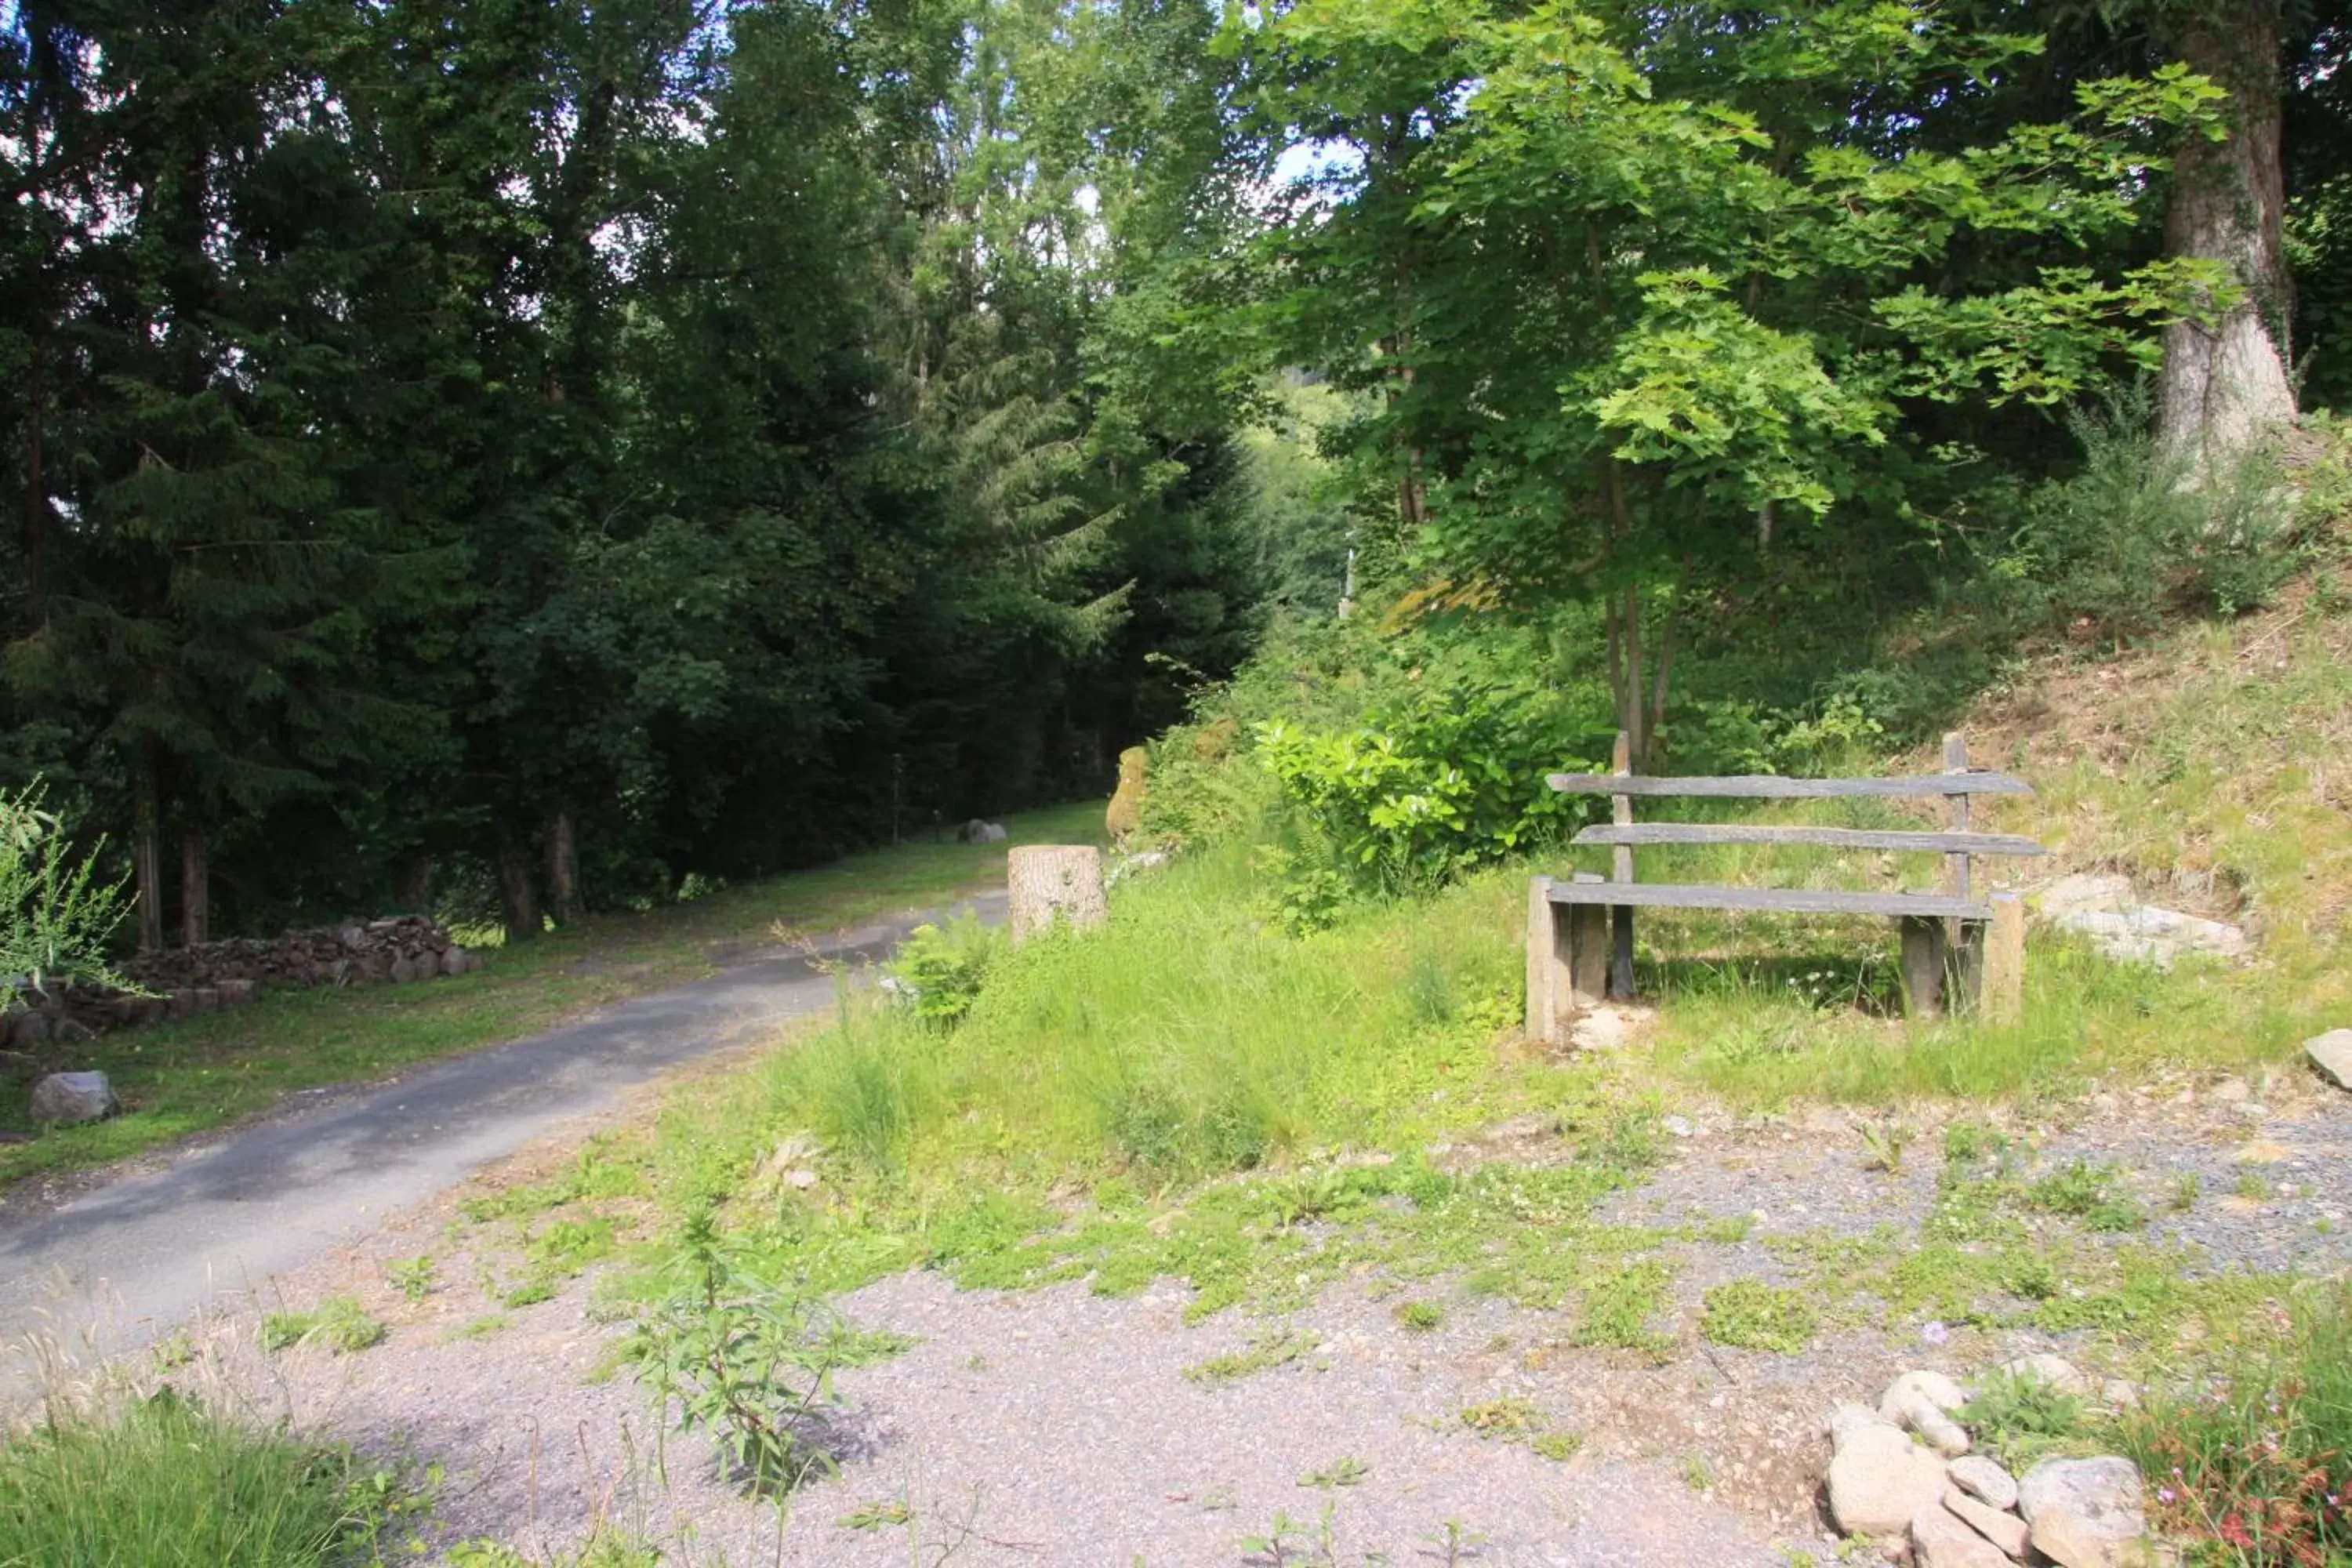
56	913
943	967
166	1481
2128	538
1447	779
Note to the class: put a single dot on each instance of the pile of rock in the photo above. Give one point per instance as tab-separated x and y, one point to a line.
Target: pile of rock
1903	1474
211	975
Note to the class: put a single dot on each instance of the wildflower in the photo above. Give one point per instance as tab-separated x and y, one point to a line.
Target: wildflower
2163	1494
1935	1333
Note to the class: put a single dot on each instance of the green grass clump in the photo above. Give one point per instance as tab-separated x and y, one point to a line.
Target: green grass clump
1265	1351
165	1482
1420	1317
2253	1463
1749	1314
339	1323
2019	1418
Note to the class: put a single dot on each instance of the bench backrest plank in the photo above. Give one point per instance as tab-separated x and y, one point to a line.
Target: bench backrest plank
1772	787
1916	841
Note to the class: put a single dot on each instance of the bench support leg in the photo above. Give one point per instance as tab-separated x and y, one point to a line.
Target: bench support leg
2003	985
1923	966
1568	962
1621	952
1964	971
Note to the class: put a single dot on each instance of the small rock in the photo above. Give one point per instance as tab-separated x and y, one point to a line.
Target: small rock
204	998
1918	1414
2055	1371
453	961
1847	1420
2004	1528
802	1179
2331	1053
71	1097
1880	1481
235	993
403	971
979	832
1678	1126
2085	1513
2119	1393
2233	1091
71	1031
1939	1540
27	1029
1939	1391
1983	1479
1922	1402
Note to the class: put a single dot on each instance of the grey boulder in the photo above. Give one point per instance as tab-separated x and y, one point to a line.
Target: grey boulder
2331	1053
70	1097
1880	1481
2086	1513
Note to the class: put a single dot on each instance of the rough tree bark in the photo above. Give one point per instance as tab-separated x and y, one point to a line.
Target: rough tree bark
518	889
2224	382
1054	881
146	852
195	887
563	870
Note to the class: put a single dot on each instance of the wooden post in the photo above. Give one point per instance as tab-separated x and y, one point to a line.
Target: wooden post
1955	866
2004	961
1621	915
1054	881
1568	961
1544	966
1924	946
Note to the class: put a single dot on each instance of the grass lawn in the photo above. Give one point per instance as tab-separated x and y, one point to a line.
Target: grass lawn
199	1073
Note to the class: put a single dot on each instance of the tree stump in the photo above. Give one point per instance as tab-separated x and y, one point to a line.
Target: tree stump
1054	881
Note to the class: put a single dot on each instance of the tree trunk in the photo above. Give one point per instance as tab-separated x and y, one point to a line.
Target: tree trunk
2224	381
195	887
146	852
517	889
1051	881
563	870
413	889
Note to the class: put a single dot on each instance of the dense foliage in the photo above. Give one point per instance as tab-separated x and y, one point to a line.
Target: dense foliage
482	454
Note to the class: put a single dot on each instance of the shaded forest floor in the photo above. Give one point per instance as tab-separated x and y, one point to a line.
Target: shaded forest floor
198	1075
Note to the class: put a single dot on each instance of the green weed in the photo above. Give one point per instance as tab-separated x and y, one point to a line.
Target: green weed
339	1323
1747	1314
412	1276
1265	1351
2020	1418
1420	1317
1345	1471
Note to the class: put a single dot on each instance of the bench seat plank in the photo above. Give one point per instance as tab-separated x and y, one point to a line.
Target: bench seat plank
1784	900
1771	786
1832	837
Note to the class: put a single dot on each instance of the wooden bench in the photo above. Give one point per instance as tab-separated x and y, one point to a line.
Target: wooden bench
1954	943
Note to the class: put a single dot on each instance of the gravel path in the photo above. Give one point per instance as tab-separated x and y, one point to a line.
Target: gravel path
1057	1427
140	1255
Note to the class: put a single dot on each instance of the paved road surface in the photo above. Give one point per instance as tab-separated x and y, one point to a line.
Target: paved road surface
140	1255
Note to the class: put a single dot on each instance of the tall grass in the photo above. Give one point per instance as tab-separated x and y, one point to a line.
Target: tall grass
1187	1038
164	1482
2255	1465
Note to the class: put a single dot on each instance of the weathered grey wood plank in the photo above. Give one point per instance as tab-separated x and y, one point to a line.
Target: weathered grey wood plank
1771	786
1923	840
1785	900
